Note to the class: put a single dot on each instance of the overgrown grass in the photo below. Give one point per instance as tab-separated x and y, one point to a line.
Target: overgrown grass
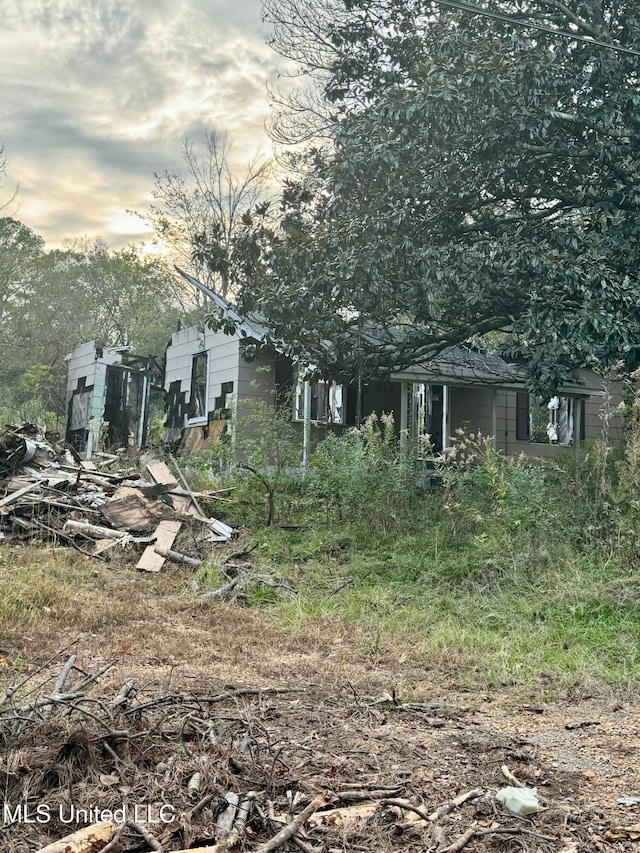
563	626
512	572
507	570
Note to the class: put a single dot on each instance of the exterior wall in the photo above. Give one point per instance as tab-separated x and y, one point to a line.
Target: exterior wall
223	364
472	409
382	397
87	368
256	379
592	427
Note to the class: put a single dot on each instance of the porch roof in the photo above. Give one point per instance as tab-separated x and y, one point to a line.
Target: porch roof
471	366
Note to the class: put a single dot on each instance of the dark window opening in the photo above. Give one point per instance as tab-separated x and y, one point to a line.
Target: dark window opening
198	398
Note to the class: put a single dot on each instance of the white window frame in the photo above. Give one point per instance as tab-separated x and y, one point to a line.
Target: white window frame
200	419
336	402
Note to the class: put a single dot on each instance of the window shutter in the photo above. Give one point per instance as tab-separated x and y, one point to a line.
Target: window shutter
522	416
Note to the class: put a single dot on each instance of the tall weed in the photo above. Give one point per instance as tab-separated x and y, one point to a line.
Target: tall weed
365	476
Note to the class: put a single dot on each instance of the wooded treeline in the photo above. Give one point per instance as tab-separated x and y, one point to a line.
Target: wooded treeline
51	301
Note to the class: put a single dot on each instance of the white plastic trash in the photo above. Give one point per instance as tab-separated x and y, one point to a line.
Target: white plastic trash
519	800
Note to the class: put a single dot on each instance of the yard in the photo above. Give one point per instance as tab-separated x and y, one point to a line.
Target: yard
392	714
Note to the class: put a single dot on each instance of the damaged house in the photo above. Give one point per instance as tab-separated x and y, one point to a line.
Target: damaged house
209	373
108	392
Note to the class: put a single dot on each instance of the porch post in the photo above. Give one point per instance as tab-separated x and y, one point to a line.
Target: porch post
494	417
404	413
577	422
306	423
445	417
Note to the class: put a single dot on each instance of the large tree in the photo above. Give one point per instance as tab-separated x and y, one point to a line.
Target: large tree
197	212
483	174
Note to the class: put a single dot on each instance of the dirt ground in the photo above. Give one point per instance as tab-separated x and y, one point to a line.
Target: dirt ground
352	720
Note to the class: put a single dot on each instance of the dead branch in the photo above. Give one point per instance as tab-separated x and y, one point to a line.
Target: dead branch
242	816
361	796
226	818
223	593
89	839
453	804
114	846
290	830
508	775
177	557
151	840
407	806
461	841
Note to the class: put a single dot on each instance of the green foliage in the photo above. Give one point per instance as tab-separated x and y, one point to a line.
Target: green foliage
268	454
52	301
481	176
496	571
365	475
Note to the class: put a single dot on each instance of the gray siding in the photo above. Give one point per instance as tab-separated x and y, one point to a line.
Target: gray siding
256	380
471	409
223	351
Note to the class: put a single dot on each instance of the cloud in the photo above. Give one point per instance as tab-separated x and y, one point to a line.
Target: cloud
95	98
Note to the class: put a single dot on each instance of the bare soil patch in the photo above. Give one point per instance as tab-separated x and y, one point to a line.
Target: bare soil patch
205	678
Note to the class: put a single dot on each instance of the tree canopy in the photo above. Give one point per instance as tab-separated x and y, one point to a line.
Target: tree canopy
198	214
51	301
483	174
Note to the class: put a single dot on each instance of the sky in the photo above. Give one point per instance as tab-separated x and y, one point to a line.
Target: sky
97	95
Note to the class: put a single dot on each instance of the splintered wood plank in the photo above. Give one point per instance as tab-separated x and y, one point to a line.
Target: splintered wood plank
184	505
88	465
165	535
15	496
160	473
131	512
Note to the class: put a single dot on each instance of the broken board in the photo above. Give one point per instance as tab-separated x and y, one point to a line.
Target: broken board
131	512
165	535
160	473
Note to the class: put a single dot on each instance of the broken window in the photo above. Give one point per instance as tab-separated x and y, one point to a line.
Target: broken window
428	413
546	421
198	398
328	402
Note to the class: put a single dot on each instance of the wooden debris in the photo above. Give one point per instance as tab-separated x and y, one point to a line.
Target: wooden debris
12	498
455	803
89	839
48	494
165	535
92	531
131	511
508	775
160	473
177	557
151	840
290	830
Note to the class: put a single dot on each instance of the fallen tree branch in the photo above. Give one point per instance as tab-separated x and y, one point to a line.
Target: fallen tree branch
151	840
361	796
475	832
177	557
89	839
453	804
508	775
290	830
407	806
461	841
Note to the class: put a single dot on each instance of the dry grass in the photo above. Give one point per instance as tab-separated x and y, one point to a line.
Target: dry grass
343	728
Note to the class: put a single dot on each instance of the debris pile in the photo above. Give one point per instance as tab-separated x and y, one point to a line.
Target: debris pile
224	769
47	493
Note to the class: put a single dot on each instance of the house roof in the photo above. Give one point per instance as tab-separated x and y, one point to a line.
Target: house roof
464	365
245	327
471	365
456	365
